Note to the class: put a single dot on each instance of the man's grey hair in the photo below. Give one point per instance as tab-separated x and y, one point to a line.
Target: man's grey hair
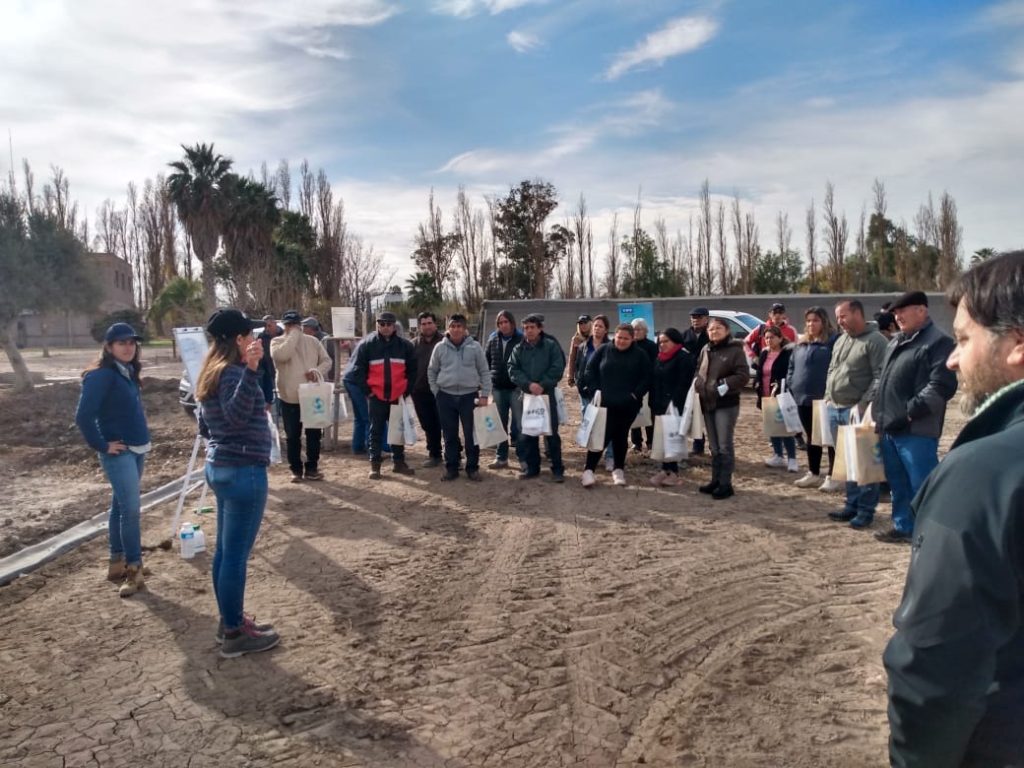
639	322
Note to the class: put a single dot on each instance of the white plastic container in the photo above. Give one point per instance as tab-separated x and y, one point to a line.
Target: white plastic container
187	541
198	540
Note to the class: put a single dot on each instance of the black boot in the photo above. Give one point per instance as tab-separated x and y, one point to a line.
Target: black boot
713	485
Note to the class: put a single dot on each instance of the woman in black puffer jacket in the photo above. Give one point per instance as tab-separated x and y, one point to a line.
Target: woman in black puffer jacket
674	369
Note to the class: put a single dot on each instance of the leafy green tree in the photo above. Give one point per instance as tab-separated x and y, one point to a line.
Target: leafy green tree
197	190
180	302
289	280
776	273
44	267
421	293
982	254
252	214
530	253
646	274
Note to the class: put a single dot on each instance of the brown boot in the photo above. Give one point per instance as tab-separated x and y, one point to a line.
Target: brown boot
115	571
133	581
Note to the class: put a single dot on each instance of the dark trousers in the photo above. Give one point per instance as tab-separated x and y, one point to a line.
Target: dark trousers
616	432
380	412
430	422
453	410
814	451
291	415
528	447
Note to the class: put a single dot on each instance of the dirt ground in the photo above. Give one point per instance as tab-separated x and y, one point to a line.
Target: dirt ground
431	624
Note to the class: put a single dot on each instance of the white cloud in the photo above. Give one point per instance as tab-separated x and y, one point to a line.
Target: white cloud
523	42
465	9
1009	13
677	37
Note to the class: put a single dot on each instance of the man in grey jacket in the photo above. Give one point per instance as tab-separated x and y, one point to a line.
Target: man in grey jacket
460	380
852	375
909	407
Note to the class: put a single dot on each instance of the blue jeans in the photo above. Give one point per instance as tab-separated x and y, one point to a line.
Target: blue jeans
789	443
124	471
241	497
909	459
453	410
361	420
503	399
528	447
861	500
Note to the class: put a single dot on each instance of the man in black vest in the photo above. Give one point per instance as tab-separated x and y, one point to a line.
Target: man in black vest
500	343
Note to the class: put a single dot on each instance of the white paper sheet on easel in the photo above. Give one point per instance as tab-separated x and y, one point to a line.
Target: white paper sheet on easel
192	347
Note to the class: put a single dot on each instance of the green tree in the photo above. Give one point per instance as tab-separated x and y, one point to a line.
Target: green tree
421	292
646	274
197	190
778	273
530	253
44	267
251	216
181	302
982	254
289	280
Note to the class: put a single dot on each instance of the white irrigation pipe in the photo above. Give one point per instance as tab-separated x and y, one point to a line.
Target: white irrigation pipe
30	558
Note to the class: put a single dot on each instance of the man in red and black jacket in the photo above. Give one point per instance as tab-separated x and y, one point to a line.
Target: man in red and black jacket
385	368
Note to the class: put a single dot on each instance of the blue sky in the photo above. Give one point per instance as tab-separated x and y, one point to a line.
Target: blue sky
767	100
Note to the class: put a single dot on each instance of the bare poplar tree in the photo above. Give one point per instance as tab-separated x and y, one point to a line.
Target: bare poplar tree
950	236
705	233
751	244
612	266
435	249
307	184
736	217
725	277
783	233
584	237
879	197
836	235
690	256
362	275
469	226
282	186
811	222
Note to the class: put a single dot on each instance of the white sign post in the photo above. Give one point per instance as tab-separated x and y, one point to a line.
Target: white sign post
343	322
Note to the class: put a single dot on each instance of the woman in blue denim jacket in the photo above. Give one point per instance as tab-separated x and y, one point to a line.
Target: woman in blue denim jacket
111	418
232	415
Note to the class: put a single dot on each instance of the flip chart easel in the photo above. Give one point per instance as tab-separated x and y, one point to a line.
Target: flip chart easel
192	346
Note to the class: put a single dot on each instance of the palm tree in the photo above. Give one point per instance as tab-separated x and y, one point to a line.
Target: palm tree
421	293
196	188
251	216
181	301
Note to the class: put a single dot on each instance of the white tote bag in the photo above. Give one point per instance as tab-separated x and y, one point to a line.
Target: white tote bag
643	417
673	436
487	429
315	401
536	415
275	440
402	423
790	413
692	420
560	409
590	435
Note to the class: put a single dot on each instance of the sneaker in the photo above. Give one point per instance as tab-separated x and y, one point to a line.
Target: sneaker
810	480
861	521
314	475
832	486
115	571
248	640
618	477
375	471
709	487
842	515
498	464
473	475
775	462
296	478
588	478
527	475
893	536
433	461
401	468
792	466
449	475
132	582
658	479
263	628
609	465
722	492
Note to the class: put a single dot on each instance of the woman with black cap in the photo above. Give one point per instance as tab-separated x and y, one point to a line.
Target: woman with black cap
673	376
232	415
111	418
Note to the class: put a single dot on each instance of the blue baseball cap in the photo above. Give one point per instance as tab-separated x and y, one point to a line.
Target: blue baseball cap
120	332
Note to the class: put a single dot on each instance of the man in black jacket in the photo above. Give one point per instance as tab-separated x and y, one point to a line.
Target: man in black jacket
422	398
502	341
956	662
909	406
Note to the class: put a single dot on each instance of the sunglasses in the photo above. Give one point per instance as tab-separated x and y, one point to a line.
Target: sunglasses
384	322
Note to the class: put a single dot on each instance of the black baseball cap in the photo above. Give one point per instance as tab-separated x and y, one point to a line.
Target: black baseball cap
778	306
291	317
699	312
582	319
910	299
228	323
387	317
